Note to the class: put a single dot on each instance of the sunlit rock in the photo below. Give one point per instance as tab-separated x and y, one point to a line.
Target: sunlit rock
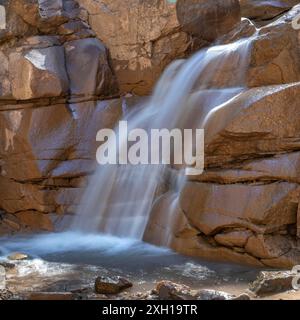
38	73
148	35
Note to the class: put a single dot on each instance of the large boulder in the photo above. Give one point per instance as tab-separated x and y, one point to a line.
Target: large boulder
144	36
264	10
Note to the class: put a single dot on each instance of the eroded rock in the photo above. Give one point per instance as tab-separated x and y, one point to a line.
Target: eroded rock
269	282
167	290
149	34
30	71
111	285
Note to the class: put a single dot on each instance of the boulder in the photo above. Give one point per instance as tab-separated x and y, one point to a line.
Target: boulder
259	122
275	51
111	285
264	10
38	73
167	290
270	282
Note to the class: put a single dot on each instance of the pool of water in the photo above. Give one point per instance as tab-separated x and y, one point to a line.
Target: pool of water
70	260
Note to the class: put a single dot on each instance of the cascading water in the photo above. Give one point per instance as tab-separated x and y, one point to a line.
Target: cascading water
119	198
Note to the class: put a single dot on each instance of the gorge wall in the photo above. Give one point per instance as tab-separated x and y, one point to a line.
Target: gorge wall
66	69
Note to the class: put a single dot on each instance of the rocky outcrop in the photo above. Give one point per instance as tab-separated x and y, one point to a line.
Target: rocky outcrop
244	207
144	36
55	81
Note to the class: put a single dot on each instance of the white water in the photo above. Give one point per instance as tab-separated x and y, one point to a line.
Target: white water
119	198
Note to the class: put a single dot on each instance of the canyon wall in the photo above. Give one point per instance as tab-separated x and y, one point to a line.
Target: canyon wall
244	208
66	68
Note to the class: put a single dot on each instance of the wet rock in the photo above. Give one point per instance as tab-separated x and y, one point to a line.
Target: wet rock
111	285
167	290
18	256
269	282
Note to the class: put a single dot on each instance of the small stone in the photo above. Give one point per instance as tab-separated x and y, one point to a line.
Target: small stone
269	282
18	256
111	285
167	290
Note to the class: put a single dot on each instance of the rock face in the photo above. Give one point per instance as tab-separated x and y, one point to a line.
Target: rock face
244	208
208	21
55	79
144	36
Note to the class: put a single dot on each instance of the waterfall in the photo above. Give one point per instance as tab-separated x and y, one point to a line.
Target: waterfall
119	198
